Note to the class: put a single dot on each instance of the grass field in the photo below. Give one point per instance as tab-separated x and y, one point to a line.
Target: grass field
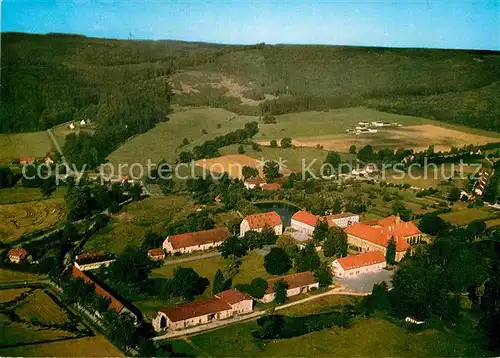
466	216
23	218
17	276
128	226
38	305
20	194
493	223
10	294
165	140
13	146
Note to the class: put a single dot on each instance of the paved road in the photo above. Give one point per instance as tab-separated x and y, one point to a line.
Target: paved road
254	315
192	258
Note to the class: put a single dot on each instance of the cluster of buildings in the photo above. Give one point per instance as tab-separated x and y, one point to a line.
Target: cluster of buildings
31	160
481	183
370	127
257	181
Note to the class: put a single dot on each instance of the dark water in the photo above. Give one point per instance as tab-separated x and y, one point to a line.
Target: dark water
284	210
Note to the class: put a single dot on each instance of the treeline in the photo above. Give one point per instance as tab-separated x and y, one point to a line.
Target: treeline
210	148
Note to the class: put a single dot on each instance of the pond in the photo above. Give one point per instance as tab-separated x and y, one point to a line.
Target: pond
283	209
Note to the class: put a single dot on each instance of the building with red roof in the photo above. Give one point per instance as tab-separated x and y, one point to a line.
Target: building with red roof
253	182
223	305
297	283
156	254
271	186
306	222
257	222
354	265
18	255
193	241
375	235
26	160
93	260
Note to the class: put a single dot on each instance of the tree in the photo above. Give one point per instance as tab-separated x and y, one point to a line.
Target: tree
335	243
253	240
241	150
307	259
286	142
337	206
280	294
320	231
135	191
6	177
48	186
187	283
277	262
268	236
490	306
273	143
232	246
132	266
219	282
398	208
454	194
271	170
287	243
185	157
121	329
352	149
432	224
323	274
249	172
390	253
366	153
476	228
185	142
256	289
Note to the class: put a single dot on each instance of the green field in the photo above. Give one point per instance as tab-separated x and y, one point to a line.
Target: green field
466	216
128	226
24	218
19	194
13	146
18	276
165	140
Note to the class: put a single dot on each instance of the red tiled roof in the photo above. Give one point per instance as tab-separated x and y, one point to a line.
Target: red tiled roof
376	235
271	186
233	296
88	255
255	180
340	216
259	221
198	238
156	252
306	218
114	302
196	309
360	260
21	253
27	159
294	280
399	227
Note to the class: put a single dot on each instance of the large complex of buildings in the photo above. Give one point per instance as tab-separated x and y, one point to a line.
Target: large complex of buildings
193	241
306	222
375	235
223	305
297	283
257	222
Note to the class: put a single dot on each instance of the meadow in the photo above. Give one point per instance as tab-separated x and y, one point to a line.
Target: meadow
9	276
14	146
20	194
26	217
38	305
466	216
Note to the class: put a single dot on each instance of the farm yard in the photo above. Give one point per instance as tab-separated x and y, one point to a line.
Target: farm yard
33	144
24	218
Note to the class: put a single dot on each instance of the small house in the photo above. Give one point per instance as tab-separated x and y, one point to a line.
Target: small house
257	222
195	241
354	265
297	283
156	254
18	255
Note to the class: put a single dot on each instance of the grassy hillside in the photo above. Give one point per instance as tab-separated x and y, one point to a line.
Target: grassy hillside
50	79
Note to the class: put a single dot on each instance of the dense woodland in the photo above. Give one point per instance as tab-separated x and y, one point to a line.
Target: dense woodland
122	85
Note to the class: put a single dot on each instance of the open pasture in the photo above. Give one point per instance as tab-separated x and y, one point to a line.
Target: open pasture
20	194
466	216
231	164
40	306
32	144
23	218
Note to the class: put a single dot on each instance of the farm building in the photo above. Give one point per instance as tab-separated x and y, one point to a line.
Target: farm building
375	235
257	222
18	255
224	305
271	186
297	283
156	254
71	125
355	265
119	305
304	221
194	241
26	160
342	219
253	182
93	260
481	183
48	160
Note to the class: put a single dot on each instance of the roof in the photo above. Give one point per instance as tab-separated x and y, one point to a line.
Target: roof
401	228
198	238
259	221
255	180
156	252
92	257
377	235
196	309
340	216
306	217
27	159
360	260
21	253
233	296
271	186
294	280
101	291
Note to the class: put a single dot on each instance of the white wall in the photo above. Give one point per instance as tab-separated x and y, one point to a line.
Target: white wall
244	227
167	246
339	271
300	226
269	297
93	266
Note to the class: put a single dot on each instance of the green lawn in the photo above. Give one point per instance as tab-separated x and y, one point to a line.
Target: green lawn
466	216
164	141
33	144
17	276
19	194
128	226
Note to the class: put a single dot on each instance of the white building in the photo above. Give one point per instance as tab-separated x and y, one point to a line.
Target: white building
354	265
257	222
297	283
93	260
304	222
253	182
342	220
195	241
240	302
